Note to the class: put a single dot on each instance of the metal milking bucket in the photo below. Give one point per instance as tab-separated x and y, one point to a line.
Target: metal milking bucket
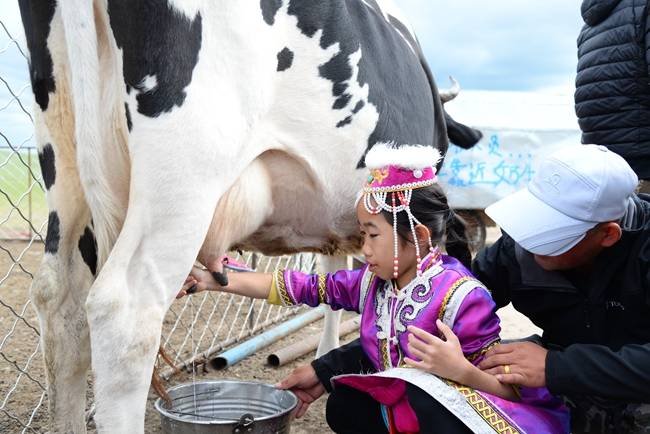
226	407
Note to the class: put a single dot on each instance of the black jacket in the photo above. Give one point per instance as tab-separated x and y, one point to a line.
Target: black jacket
598	324
612	97
597	327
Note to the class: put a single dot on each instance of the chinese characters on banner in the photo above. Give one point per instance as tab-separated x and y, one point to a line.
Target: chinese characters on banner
500	164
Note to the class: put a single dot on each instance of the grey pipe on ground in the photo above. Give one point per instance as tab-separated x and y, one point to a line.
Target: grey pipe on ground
305	346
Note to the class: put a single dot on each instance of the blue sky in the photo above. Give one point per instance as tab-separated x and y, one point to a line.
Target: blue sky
499	44
523	45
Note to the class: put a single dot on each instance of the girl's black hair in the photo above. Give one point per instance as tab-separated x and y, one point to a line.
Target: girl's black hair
429	205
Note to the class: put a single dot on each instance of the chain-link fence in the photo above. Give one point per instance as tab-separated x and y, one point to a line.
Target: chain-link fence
194	327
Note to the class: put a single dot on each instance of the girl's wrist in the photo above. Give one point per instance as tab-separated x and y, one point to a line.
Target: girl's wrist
465	372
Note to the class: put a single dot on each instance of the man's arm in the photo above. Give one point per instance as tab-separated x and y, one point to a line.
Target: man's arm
596	370
491	267
348	359
645	27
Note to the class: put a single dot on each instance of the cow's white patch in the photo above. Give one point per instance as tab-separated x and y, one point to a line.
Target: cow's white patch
149	83
189	8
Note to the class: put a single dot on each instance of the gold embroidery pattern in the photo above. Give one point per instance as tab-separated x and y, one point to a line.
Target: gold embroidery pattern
379	175
450	293
475	355
485	410
282	289
322	280
385	356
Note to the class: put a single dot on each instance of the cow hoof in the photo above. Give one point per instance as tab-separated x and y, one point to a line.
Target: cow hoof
221	278
191	289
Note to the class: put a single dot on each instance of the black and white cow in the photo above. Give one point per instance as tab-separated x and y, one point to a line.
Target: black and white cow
175	129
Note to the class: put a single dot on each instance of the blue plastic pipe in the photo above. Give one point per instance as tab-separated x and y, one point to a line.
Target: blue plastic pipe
245	349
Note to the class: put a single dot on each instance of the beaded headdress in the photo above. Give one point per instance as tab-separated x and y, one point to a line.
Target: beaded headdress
394	173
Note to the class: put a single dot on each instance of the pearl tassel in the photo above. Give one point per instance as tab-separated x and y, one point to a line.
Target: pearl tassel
417	246
395	240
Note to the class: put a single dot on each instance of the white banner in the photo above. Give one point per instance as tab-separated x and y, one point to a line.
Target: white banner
500	164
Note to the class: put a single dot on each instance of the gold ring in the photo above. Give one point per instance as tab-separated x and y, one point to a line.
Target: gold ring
506	369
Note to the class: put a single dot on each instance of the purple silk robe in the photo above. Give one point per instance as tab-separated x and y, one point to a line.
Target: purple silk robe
445	291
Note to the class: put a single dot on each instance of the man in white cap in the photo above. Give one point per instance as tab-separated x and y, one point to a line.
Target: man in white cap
575	259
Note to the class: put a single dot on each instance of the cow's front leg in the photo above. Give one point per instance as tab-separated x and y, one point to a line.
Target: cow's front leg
164	228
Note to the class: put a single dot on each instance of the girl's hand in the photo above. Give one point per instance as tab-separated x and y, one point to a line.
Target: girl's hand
197	281
443	358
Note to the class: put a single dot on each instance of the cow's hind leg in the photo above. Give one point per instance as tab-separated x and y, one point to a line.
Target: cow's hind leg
59	292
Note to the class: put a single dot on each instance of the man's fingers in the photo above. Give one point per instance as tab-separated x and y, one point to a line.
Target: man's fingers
501	349
496	360
494	371
512	378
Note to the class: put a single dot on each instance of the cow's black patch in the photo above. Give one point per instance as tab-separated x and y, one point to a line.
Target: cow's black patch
158	41
269	9
37	17
88	249
285	59
53	233
357	108
344	122
48	169
399	84
129	122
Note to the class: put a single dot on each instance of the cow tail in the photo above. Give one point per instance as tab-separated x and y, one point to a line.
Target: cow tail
101	147
456	243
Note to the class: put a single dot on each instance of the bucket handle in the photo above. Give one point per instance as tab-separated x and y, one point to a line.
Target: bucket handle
245	424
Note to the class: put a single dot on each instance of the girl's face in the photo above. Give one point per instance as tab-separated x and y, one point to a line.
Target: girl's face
378	248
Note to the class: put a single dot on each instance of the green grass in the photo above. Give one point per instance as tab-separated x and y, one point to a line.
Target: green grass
21	192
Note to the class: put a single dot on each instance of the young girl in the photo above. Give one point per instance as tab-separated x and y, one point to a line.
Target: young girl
408	294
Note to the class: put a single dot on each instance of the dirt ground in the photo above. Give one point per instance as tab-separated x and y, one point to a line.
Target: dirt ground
18	351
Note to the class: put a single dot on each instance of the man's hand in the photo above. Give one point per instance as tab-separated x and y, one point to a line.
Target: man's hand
522	363
306	385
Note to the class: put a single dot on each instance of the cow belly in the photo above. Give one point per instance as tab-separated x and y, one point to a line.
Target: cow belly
275	240
279	206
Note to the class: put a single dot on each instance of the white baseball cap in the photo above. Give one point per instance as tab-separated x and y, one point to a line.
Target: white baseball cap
572	191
